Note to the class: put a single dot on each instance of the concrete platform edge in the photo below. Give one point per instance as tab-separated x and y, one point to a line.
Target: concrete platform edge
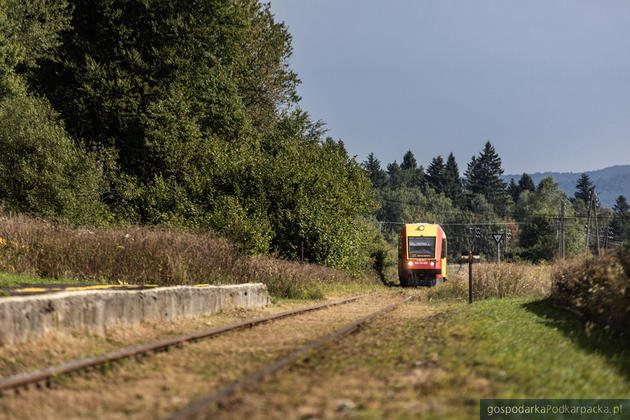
25	317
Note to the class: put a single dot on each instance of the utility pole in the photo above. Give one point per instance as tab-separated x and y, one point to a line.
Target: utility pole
470	264
499	253
599	250
588	220
561	241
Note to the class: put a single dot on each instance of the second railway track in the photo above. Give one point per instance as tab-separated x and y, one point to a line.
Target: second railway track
163	384
45	376
198	407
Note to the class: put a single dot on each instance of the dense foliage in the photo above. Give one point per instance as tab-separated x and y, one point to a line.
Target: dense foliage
174	113
186	114
473	208
597	289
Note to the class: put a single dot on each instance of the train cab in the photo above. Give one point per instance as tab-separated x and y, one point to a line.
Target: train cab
422	255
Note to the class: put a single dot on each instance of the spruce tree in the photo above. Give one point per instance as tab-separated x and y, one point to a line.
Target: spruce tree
436	174
526	183
583	188
394	174
412	174
409	161
377	175
621	207
452	181
483	176
513	190
621	220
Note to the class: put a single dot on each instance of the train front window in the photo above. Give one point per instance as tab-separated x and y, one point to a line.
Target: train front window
421	247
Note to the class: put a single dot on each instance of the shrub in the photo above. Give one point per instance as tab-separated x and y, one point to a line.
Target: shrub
598	289
41	170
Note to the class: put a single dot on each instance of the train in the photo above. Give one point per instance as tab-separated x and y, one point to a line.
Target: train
422	255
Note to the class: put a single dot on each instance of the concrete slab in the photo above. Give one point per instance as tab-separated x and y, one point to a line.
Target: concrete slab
94	311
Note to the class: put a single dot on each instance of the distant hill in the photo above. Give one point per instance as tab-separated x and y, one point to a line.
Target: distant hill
609	182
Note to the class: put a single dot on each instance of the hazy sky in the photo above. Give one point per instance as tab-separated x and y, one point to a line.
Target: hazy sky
546	81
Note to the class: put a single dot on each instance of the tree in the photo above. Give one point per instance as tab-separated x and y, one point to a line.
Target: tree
483	176
436	174
395	175
42	170
229	59
621	219
526	183
538	239
452	182
538	234
377	175
412	175
513	190
621	207
409	161
583	188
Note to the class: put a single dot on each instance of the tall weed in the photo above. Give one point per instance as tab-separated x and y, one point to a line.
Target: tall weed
137	255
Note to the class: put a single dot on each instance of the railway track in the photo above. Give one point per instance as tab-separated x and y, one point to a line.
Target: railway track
44	377
198	407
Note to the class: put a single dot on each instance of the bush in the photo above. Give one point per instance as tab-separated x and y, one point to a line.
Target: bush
598	289
41	170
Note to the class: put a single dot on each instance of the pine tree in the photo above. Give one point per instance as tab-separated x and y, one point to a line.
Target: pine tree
526	183
621	207
621	220
409	161
395	175
436	174
377	175
452	181
583	188
483	176
412	174
513	190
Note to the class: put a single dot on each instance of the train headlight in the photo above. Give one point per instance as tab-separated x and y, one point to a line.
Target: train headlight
432	263
410	263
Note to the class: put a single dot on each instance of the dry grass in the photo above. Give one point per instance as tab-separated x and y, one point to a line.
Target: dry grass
168	381
597	289
499	281
150	255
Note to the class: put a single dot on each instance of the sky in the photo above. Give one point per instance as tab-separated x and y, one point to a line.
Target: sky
547	82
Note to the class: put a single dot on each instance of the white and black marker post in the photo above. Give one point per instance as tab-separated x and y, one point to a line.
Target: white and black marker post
497	237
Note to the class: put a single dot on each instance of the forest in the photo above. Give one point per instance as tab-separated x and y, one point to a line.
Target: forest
474	207
186	115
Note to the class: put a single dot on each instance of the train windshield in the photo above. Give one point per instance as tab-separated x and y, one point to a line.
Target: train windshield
421	247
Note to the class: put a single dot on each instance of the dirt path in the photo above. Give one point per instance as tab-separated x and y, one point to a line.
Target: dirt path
163	383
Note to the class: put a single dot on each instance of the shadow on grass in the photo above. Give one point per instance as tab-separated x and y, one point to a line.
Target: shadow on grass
615	349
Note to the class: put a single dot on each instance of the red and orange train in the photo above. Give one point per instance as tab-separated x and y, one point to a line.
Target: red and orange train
422	255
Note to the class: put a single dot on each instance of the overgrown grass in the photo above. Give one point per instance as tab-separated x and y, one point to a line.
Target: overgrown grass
436	361
528	348
8	279
151	255
597	289
491	280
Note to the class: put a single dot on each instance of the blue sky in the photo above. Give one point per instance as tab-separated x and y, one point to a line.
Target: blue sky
546	81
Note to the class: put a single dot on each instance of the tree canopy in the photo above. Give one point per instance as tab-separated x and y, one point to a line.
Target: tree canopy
175	113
